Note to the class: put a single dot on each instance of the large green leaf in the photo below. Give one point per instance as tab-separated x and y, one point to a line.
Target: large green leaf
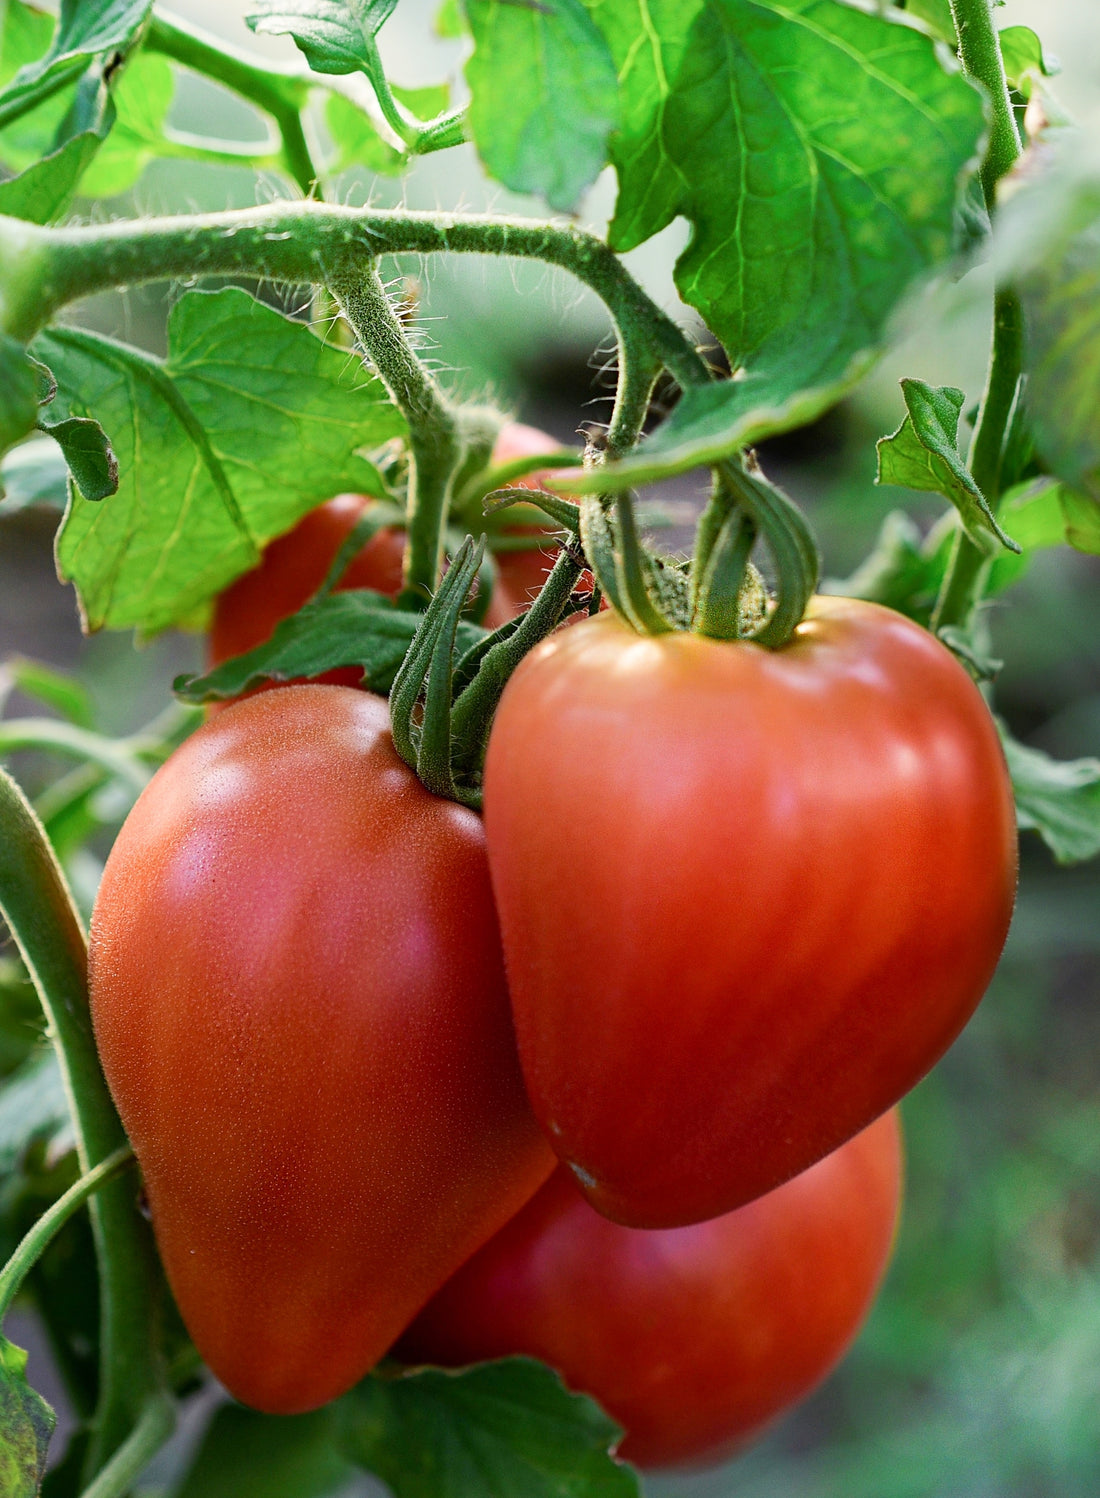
85	29
142	98
817	151
249	423
33	1107
507	1428
18	393
544	96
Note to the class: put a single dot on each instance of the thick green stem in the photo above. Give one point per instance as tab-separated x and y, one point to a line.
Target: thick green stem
43	269
38	908
980	51
34	1243
435	445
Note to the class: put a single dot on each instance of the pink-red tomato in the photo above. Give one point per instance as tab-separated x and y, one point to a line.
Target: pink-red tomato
748	897
299	1001
691	1338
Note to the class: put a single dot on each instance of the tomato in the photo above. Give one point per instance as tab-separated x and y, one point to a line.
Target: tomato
747	897
293	567
299	1001
691	1338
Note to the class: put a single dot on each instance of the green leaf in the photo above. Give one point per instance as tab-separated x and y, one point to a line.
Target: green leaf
249	423
1059	799
923	454
357	141
507	1428
18	393
357	628
64	694
449	23
936	15
1023	57
424	103
816	150
268	1456
142	98
336	36
45	191
34	473
85	28
26	1425
88	454
34	1109
544	96
1081	513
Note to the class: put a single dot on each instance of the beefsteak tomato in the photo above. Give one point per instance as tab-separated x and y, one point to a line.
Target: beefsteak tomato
748	896
691	1338
299	1000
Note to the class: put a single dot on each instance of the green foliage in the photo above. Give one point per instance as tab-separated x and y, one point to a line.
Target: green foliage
18	393
924	454
34	473
335	36
85	29
1024	57
506	1428
544	96
809	223
267	1456
357	141
1058	799
248	423
360	628
33	1109
26	1425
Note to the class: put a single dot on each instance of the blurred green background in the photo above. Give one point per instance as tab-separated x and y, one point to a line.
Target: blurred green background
978	1375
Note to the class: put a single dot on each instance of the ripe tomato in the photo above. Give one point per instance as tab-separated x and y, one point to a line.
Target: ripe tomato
779	889
299	1001
691	1338
293	567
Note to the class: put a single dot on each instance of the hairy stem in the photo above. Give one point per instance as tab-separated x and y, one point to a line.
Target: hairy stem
43	269
37	906
434	443
980	52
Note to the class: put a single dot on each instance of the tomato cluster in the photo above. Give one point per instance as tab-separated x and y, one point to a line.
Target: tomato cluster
732	903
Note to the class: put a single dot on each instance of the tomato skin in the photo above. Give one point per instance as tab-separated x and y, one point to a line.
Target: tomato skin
747	897
291	570
299	1001
692	1338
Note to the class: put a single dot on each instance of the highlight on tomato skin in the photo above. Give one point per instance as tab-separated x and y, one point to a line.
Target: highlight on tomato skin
693	1339
298	997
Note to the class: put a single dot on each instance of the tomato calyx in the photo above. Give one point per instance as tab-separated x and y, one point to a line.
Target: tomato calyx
442	703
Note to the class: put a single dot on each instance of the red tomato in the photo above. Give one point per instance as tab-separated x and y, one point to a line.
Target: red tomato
748	897
692	1338
292	569
299	1001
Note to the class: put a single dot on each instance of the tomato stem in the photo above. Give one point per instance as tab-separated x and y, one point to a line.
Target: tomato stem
38	908
434	442
967	570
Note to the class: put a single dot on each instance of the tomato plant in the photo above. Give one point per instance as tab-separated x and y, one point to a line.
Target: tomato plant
822	864
319	1078
693	1338
751	834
